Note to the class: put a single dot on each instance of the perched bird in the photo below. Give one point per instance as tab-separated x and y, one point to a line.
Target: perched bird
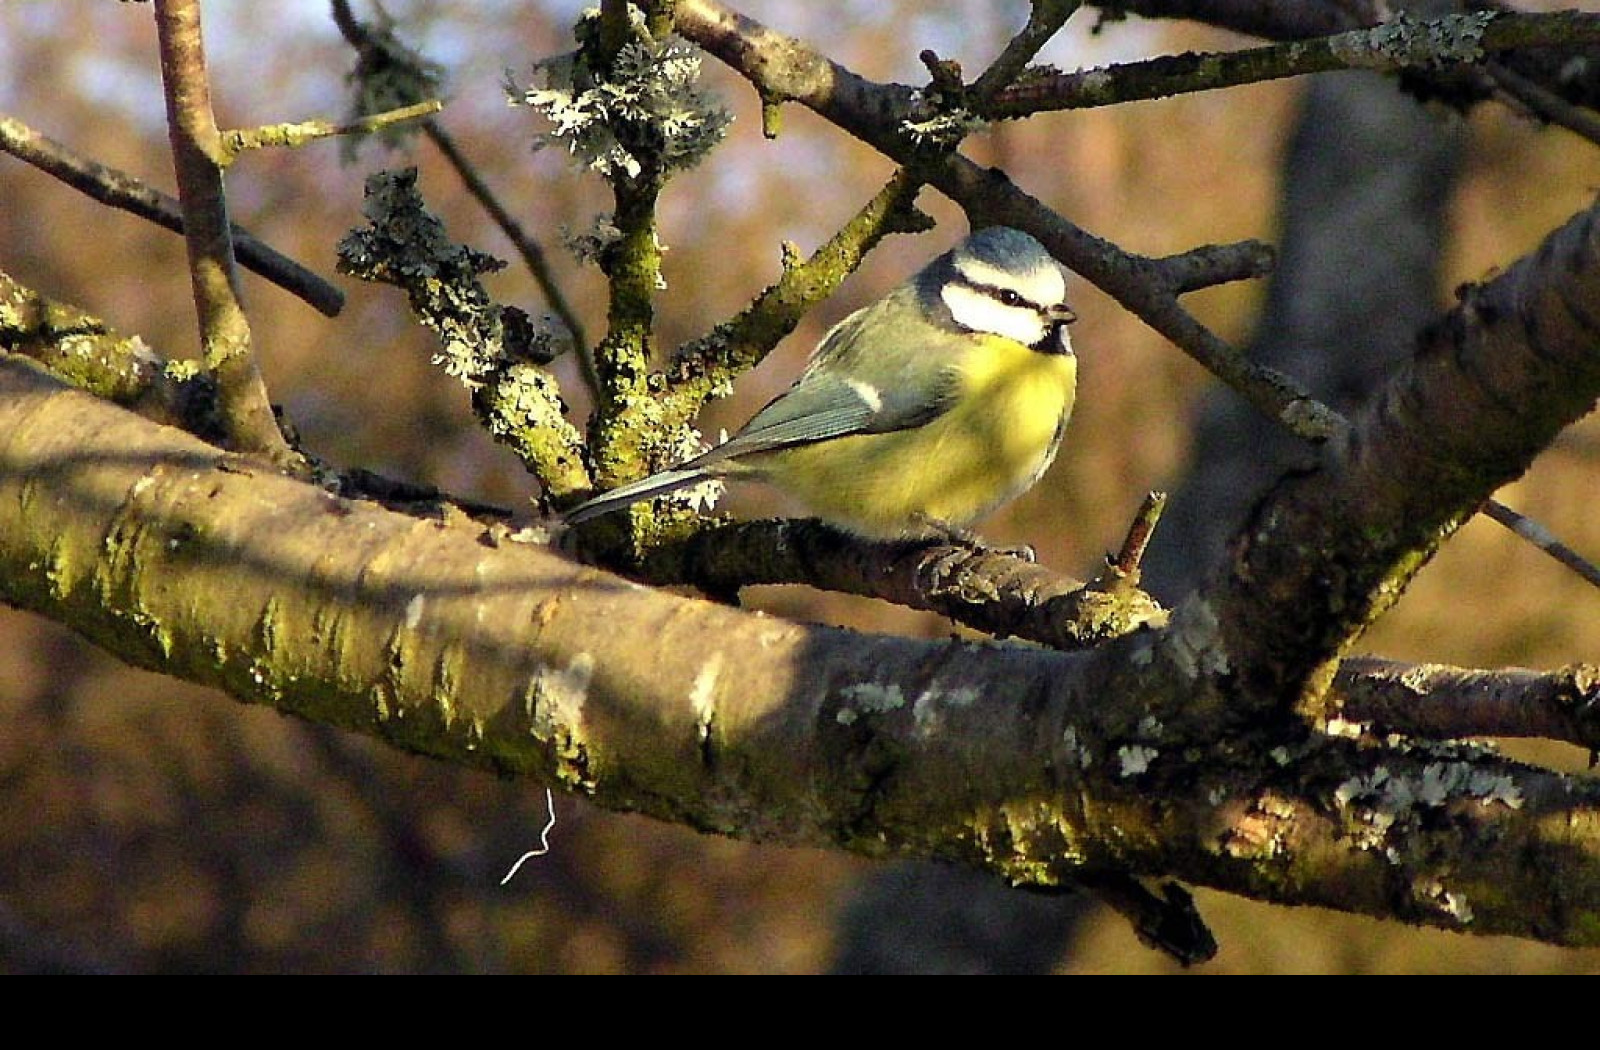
920	413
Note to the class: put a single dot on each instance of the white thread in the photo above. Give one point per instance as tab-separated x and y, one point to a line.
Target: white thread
544	839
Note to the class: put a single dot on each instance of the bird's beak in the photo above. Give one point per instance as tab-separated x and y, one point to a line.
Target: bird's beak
1060	313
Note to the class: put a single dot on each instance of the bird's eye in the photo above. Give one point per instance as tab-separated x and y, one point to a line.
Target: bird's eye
1010	298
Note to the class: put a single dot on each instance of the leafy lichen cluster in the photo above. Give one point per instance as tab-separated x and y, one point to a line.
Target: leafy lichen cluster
647	108
491	349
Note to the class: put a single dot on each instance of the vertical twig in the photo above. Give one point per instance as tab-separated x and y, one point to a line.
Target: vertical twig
1129	559
532	253
198	159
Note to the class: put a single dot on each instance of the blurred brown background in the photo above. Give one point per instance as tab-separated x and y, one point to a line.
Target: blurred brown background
149	825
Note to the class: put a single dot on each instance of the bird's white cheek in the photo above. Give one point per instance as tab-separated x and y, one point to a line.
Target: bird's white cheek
978	312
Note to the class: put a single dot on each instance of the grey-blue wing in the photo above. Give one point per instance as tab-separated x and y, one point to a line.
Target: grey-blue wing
821	406
859	383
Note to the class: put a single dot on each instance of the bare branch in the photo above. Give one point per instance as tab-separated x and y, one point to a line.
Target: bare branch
299	133
1129	558
990	591
1045	19
1546	104
1541	537
781	67
198	158
1402	43
532	253
1566	71
1432	701
120	190
1493	384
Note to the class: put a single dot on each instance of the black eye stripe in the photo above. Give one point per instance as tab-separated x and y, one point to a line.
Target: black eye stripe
1004	296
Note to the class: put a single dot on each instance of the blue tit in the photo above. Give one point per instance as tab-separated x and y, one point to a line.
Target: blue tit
919	414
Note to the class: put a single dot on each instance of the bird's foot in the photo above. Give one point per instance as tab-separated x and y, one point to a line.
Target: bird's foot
964	537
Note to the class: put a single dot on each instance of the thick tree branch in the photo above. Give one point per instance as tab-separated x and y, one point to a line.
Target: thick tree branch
1017	759
1496	380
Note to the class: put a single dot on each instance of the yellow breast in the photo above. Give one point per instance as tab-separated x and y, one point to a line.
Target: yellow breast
993	444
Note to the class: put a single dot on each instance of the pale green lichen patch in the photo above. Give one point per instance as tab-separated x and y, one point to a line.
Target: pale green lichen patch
556	696
703	694
1405	40
942	130
931	704
1381	802
1076	750
1195	643
554	699
180	370
647	108
1134	759
869	698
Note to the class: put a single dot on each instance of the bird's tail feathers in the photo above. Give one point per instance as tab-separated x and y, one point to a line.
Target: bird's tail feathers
627	495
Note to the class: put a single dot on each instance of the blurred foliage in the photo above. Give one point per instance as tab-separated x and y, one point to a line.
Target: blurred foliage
150	825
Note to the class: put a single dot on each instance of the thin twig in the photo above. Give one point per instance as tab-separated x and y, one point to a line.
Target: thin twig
533	254
120	190
1045	19
1131	556
1458	40
198	159
1542	538
298	133
1545	104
